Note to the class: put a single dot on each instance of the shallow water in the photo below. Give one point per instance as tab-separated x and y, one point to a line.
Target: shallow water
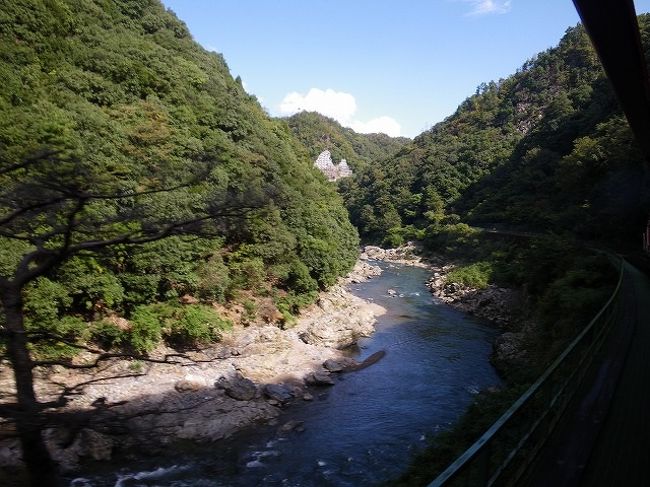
366	428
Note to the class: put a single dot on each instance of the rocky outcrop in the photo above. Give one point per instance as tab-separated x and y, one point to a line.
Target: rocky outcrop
501	306
331	171
278	392
509	350
190	384
339	365
408	254
361	272
238	387
496	304
319	378
339	320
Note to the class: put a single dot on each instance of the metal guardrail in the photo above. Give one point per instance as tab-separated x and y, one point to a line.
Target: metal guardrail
504	452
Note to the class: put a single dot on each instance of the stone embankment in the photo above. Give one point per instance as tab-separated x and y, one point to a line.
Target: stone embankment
203	395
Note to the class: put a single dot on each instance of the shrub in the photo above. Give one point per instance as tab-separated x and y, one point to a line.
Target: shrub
214	279
299	280
107	335
45	300
452	239
195	324
250	311
90	283
146	329
291	303
476	275
248	273
393	238
59	337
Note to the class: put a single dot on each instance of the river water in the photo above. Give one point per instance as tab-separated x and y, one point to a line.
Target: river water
365	429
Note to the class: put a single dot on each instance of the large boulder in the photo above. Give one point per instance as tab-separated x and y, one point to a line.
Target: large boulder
340	365
319	378
238	387
188	385
278	392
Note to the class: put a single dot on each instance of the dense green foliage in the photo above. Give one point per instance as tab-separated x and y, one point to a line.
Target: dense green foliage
128	102
318	133
476	275
544	148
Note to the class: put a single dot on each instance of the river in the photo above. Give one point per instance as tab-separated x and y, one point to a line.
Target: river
366	428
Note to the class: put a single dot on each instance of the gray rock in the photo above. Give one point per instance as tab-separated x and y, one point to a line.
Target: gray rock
307	397
278	392
319	378
238	387
97	445
188	385
333	365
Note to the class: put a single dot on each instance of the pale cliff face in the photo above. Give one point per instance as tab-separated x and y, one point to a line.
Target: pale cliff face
331	171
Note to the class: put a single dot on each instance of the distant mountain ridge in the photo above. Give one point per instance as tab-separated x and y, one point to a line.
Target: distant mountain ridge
544	148
319	133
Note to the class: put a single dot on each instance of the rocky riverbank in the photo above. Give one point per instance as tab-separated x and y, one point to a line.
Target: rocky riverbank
203	395
504	307
496	304
408	254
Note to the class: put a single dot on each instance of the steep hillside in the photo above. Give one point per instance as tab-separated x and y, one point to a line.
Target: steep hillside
546	147
120	93
318	133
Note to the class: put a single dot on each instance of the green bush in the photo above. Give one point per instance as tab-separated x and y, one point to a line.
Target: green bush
214	279
452	239
248	273
476	275
194	325
45	301
393	238
59	337
299	280
291	303
90	283
107	335
250	311
146	329
573	299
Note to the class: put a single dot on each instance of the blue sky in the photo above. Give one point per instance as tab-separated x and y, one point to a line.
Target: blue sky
396	66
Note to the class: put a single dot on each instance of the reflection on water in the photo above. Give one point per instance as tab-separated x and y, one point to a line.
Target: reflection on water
365	429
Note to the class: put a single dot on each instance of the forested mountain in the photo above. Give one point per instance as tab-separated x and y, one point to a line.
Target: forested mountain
547	147
109	110
318	133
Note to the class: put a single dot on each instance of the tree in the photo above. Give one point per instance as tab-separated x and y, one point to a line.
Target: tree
53	207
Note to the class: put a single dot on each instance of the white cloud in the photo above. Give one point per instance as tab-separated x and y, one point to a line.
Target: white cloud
336	104
385	124
340	106
484	7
